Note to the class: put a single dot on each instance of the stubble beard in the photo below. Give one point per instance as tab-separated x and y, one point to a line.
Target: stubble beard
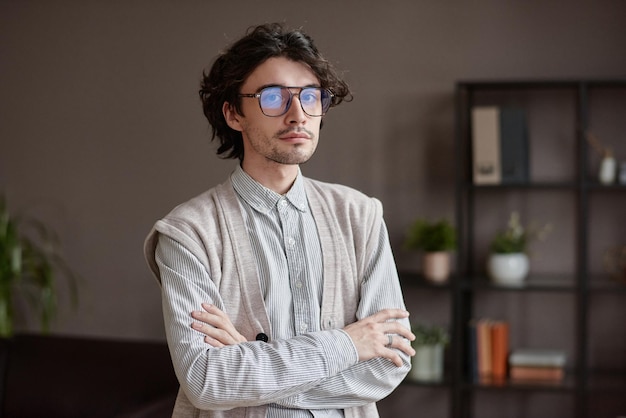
273	149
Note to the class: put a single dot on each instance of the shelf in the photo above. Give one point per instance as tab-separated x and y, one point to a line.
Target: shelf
536	283
414	279
607	382
605	283
567	385
519	84
525	186
596	186
545	84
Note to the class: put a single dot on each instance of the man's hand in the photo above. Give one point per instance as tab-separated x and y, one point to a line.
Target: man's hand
377	335
216	327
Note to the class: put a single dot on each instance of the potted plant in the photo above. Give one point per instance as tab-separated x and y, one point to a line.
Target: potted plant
30	262
429	344
436	240
508	262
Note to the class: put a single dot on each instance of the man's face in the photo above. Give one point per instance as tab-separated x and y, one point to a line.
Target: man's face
287	139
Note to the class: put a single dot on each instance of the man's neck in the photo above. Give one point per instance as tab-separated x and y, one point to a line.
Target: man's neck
274	176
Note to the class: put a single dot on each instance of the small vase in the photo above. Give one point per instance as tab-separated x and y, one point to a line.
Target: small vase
427	364
436	266
608	170
508	269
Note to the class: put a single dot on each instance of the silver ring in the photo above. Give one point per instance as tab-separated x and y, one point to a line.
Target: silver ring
390	340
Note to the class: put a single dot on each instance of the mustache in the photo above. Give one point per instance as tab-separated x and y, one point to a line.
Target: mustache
297	130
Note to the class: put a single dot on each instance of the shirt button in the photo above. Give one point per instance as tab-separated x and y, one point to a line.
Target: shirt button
303	327
291	241
299	284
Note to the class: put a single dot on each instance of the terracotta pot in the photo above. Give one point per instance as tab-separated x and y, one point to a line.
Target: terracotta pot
436	266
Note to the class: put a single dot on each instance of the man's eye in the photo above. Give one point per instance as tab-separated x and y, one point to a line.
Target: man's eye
271	98
309	96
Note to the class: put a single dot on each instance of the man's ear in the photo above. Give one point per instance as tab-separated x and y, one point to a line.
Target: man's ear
231	116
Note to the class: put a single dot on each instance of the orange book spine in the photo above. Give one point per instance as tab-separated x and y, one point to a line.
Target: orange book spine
499	349
483	338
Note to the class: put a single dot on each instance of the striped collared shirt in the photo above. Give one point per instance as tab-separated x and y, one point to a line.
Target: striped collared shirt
289	261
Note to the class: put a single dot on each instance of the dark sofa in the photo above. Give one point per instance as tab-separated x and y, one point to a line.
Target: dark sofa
54	376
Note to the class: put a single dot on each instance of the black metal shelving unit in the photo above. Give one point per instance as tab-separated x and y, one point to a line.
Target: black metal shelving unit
583	382
582	186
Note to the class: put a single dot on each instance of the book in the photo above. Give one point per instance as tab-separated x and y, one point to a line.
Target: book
513	146
483	345
531	373
499	349
486	145
537	358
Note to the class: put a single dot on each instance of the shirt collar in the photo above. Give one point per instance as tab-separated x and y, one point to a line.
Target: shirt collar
263	199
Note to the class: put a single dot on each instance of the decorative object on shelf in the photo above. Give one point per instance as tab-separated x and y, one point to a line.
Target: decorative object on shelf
622	173
29	263
508	263
508	269
615	263
608	167
429	344
608	164
436	240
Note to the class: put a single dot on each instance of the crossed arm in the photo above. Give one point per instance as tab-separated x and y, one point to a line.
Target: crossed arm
362	383
371	335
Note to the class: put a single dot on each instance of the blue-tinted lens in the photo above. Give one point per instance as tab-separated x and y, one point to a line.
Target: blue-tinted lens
273	100
310	97
315	100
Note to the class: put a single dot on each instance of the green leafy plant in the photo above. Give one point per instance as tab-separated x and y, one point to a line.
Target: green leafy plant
29	263
430	335
515	238
431	236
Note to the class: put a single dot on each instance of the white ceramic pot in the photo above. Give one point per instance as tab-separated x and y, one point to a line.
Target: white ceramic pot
508	269
427	364
436	266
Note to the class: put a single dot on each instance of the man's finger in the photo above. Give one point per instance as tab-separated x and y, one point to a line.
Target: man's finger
391	313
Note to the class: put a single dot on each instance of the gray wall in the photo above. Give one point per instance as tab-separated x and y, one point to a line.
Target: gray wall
101	131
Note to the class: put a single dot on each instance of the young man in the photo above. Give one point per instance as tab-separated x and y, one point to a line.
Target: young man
291	282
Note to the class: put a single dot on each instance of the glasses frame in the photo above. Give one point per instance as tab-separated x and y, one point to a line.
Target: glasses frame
290	101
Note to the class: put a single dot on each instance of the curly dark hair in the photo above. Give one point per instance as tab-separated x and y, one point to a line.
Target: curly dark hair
232	67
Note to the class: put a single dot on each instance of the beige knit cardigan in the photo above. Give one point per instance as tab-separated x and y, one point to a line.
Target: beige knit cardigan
212	228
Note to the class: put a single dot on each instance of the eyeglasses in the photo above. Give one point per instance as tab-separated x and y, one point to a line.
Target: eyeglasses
276	100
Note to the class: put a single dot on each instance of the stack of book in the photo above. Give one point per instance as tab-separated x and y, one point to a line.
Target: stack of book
537	365
488	350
